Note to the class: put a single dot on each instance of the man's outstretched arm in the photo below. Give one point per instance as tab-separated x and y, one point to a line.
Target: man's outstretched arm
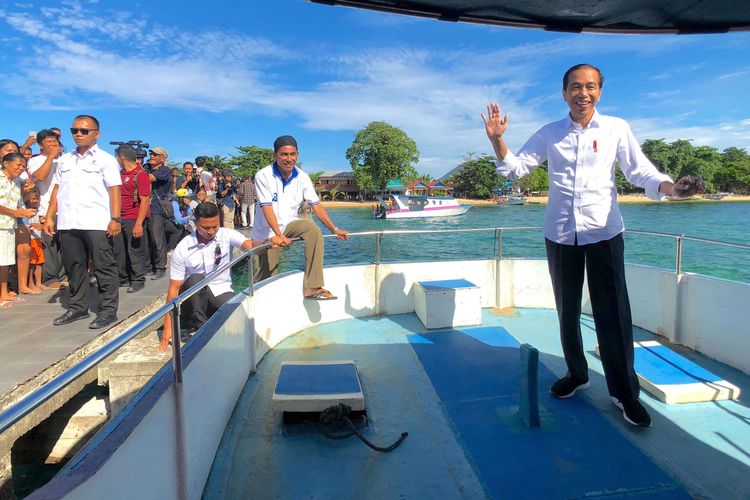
322	215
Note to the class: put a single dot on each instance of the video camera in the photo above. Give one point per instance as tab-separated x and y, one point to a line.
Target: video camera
141	148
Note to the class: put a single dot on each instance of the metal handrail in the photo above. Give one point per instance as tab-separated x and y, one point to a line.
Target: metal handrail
42	394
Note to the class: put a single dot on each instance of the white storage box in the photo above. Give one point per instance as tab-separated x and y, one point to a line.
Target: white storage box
448	303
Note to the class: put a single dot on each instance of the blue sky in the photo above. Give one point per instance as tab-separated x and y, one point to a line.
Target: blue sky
204	77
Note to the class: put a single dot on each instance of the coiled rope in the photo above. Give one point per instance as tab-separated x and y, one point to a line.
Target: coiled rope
334	423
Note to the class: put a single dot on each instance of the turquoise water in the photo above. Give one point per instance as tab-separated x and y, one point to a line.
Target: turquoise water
716	221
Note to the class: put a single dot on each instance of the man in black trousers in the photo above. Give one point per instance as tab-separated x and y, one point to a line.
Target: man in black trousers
131	246
159	173
583	227
86	200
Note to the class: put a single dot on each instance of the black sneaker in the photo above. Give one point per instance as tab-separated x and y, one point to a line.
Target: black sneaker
567	387
633	412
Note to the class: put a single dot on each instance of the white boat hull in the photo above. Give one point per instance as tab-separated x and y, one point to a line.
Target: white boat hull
427	212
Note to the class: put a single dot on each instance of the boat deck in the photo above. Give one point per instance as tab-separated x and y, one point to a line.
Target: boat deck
456	392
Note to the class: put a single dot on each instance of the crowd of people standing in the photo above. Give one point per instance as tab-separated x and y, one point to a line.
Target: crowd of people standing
87	218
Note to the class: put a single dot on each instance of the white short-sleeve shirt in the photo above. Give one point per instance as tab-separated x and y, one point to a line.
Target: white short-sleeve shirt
82	196
44	186
191	257
285	196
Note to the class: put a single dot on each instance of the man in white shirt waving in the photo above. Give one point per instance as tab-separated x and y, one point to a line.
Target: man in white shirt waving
282	190
583	227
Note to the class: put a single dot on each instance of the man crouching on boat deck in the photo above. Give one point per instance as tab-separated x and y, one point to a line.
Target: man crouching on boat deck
196	256
281	191
583	227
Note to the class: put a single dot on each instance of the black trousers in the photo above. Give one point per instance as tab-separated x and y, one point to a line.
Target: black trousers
52	269
76	246
157	224
604	264
203	304
131	253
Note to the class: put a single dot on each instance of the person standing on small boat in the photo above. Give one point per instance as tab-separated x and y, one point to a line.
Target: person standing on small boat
583	227
281	189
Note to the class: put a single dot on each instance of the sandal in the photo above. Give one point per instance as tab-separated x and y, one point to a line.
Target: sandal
321	294
7	304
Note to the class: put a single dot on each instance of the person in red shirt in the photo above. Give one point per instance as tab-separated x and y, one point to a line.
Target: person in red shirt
131	246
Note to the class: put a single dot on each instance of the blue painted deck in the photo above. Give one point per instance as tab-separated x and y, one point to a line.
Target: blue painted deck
663	366
456	393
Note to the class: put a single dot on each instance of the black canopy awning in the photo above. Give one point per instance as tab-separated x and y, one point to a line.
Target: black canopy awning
610	16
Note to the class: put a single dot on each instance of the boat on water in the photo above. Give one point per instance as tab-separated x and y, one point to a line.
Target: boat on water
403	206
508	200
209	424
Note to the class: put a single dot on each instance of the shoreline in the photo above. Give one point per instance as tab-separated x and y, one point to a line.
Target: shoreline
542	200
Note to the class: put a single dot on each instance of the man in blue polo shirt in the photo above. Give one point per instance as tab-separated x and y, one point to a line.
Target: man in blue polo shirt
282	191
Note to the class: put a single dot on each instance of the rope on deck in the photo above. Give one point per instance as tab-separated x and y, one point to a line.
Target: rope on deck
336	417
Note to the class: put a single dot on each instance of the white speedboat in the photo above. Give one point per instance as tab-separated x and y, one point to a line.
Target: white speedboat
402	206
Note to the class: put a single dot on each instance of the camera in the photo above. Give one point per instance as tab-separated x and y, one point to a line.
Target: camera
141	148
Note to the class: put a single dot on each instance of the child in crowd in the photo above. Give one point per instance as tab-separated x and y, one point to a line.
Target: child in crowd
32	199
10	195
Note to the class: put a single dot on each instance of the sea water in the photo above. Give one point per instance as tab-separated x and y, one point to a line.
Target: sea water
724	221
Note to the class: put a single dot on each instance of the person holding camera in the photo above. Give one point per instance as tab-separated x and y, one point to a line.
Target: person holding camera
131	246
159	174
227	199
190	179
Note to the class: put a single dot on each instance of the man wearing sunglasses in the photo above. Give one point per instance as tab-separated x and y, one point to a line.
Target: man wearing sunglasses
160	177
196	256
86	200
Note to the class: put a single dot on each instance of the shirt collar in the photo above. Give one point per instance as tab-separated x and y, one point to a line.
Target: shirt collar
93	150
595	121
193	239
277	173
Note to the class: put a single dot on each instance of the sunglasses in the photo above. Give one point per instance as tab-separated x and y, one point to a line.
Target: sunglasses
217	255
83	131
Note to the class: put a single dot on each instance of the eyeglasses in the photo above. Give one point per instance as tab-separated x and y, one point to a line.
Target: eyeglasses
83	131
217	254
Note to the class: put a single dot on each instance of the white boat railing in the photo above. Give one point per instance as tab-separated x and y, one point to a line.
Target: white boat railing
29	403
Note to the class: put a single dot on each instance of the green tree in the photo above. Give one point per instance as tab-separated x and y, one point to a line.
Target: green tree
477	177
381	152
315	176
660	153
251	159
217	162
538	180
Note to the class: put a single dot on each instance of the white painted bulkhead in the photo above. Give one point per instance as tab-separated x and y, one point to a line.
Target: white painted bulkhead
709	314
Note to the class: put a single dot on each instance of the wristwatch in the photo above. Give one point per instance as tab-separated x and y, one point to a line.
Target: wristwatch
117	219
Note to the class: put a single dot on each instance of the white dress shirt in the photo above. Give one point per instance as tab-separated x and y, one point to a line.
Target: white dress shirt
191	257
581	166
44	186
285	196
82	196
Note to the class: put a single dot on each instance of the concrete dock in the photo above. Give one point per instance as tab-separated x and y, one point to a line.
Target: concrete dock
29	343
